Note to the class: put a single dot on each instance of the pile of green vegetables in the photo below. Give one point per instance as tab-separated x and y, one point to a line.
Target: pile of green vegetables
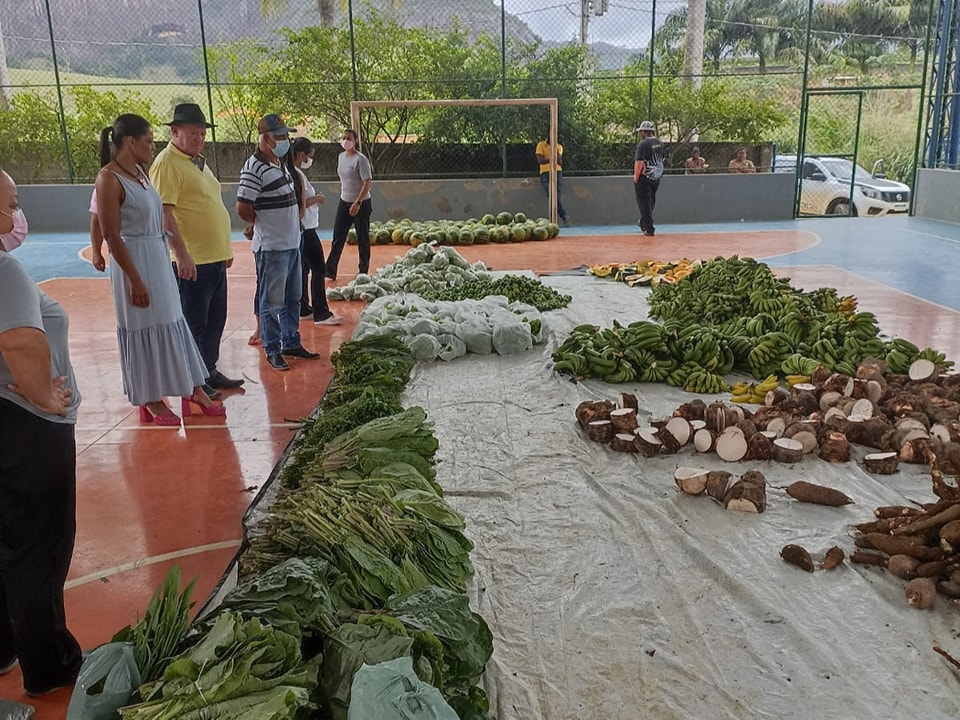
423	268
516	288
359	560
734	314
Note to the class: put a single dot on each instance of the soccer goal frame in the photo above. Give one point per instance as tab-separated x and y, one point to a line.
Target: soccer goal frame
357	105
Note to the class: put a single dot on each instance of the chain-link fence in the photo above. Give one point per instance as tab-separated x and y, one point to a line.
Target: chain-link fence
715	73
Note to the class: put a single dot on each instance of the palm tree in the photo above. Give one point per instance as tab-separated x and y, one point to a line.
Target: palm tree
720	36
769	28
693	42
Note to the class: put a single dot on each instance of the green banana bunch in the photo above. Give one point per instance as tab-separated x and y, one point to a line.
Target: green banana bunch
937	358
705	382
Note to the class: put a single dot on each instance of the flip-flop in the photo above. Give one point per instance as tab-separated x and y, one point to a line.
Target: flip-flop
253	340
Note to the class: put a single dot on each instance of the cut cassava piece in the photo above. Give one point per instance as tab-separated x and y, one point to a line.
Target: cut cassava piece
647	442
759	447
797	555
680	429
692	481
920	593
922	370
833	557
731	446
624	419
591	410
623	442
882	463
835	447
817	494
748	494
718	481
690	411
786	450
704	440
600	431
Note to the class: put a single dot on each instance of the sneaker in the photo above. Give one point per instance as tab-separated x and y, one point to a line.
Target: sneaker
63	685
218	380
277	362
300	352
331	319
565	222
6	667
648	233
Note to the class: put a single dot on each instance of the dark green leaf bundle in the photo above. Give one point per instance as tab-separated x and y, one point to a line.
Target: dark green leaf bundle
515	287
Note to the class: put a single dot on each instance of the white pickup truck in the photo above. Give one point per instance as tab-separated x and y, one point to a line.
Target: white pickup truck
825	187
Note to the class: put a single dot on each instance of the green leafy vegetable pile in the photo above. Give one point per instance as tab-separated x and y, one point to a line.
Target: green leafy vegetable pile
517	288
240	669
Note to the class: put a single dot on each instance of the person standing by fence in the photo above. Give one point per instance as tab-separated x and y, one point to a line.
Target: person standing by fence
355	207
647	171
543	157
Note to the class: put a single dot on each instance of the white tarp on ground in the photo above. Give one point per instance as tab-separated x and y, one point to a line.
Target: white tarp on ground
612	596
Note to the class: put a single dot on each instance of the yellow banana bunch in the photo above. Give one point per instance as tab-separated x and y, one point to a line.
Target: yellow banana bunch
797	379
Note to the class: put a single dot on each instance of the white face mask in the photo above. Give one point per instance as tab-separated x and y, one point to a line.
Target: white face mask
347	145
305	165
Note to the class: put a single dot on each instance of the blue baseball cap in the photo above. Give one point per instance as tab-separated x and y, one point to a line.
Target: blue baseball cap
273	124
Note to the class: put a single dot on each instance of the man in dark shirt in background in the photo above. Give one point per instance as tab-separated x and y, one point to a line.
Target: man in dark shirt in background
647	171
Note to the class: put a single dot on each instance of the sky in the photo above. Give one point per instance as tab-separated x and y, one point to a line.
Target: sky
626	22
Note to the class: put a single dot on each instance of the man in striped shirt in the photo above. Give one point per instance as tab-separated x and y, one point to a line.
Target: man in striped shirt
267	198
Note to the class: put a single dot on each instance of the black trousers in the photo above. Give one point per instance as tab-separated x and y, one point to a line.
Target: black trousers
313	265
204	303
341	225
38	492
646	192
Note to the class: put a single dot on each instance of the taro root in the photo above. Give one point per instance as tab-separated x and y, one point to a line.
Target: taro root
623	442
797	555
748	494
600	431
590	410
882	463
759	447
920	593
647	442
718	481
835	447
832	558
624	420
786	450
691	481
690	411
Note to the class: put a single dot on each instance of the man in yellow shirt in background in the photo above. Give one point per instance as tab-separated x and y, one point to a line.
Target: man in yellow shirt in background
198	224
543	157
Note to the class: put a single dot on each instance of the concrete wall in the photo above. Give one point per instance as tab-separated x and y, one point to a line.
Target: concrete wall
936	195
715	198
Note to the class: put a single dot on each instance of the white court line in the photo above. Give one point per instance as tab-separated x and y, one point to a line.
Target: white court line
144	562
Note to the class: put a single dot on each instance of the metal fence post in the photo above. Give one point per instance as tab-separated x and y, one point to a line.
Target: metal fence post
60	109
353	54
653	33
206	77
503	83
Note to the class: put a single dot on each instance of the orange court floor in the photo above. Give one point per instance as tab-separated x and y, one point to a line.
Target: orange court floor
150	497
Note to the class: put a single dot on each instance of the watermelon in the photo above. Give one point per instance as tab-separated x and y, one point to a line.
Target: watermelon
466	237
553	229
416	238
518	234
519	218
352	237
488	219
504	218
481	235
540	233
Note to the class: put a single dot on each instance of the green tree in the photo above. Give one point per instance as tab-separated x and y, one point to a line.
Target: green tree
720	37
235	70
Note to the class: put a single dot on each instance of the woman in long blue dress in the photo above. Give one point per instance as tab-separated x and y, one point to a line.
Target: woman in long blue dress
158	355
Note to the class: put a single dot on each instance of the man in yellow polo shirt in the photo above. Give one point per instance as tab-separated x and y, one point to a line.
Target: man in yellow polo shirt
543	157
194	213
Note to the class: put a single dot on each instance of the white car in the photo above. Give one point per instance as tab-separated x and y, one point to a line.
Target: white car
825	187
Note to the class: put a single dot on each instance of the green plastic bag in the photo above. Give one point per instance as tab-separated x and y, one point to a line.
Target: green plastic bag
392	691
106	683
